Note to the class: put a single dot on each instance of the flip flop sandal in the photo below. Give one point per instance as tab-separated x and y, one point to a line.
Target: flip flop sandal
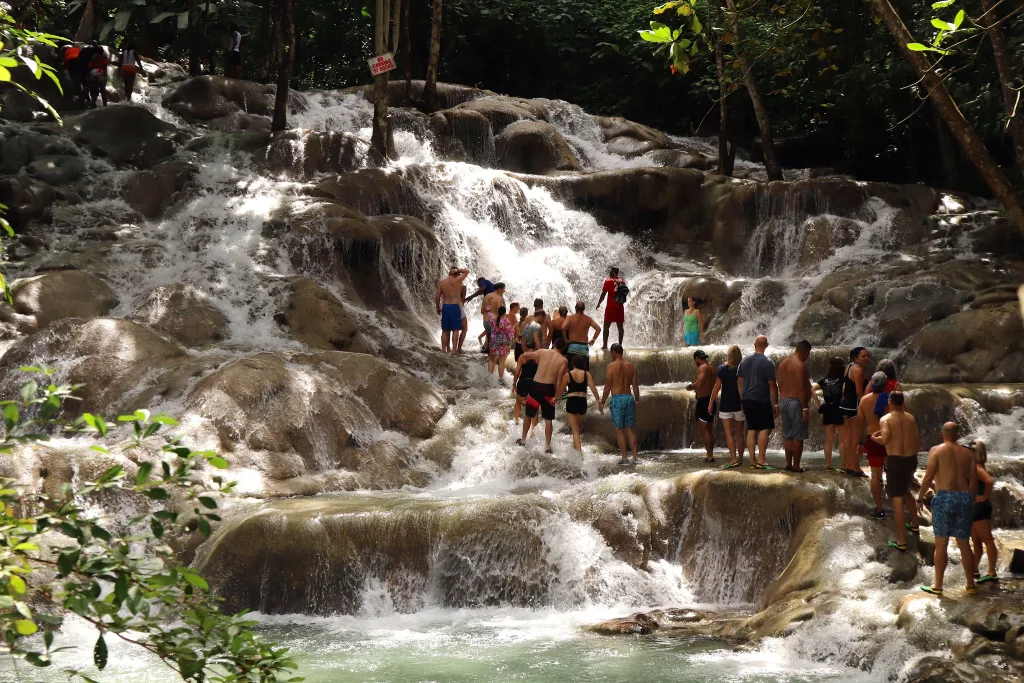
623	463
933	591
972	590
913	529
988	578
768	468
902	547
730	466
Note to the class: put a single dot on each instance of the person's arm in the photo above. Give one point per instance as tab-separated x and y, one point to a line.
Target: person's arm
636	389
858	382
474	295
929	477
973	474
604	293
805	393
593	389
716	390
515	377
562	384
773	387
814	393
883	433
609	377
437	298
739	386
985	478
597	330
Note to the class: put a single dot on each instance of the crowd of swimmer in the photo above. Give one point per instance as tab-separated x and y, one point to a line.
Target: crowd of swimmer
746	394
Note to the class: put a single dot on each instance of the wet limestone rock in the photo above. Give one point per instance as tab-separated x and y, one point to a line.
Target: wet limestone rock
371	192
184	313
305	154
679	158
27	199
500	111
639	624
56	169
150	192
53	296
534	147
211	97
318	319
819	323
629	138
125	135
463	135
21	145
448	94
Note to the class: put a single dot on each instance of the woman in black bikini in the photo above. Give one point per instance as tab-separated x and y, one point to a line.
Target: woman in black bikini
574	384
522	382
981	530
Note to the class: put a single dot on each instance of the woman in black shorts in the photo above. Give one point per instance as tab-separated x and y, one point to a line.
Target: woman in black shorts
981	530
522	382
831	387
574	385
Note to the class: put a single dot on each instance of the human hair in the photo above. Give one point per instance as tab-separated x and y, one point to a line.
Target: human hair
856	352
579	363
836	368
981	450
580	307
563	311
733	356
697	301
481	280
614	271
559	344
502	311
804	346
528	343
540	314
499	285
896	398
888	367
524	312
514	306
538	304
617	348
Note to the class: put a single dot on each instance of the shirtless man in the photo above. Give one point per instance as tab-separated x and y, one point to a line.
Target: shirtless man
795	403
953	469
575	328
899	434
620	380
551	365
702	387
869	412
447	299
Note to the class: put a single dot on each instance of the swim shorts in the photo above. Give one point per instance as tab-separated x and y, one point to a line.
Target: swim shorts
581	350
731	415
542	398
760	416
576	405
793	426
953	514
623	410
875	452
691	338
899	474
983	511
451	317
705	410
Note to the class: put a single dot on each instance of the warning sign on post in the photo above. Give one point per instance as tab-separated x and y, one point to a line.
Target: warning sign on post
381	64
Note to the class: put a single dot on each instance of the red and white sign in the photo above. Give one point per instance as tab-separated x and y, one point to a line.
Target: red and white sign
382	64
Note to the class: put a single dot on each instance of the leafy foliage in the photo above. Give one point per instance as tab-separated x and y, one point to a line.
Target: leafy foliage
11	36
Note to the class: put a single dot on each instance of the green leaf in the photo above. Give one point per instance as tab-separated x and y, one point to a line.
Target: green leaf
160	17
696	25
959	19
918	47
194	579
366	13
99	653
156	493
121	20
145	469
17	584
219	463
8	61
942	3
942	25
157	528
25	627
208	503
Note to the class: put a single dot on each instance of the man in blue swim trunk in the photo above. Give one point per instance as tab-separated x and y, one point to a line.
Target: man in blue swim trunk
954	471
447	299
621	382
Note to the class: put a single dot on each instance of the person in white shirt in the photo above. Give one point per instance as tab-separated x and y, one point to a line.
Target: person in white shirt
233	59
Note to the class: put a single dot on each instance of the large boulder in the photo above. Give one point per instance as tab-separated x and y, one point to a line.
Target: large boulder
184	313
463	135
500	111
21	145
26	200
317	318
125	135
305	154
534	147
629	138
63	294
210	97
820	323
56	169
151	191
448	94
371	192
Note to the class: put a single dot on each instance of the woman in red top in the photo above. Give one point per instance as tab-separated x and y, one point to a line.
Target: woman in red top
614	312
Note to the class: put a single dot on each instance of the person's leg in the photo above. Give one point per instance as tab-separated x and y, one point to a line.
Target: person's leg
631	434
762	444
911	503
730	439
574	422
548	429
830	437
856	431
941	560
620	437
462	335
517	410
751	438
502	359
446	340
899	519
740	439
619	325
708	436
103	91
492	361
967	559
798	454
876	487
604	338
526	428
989	542
844	457
976	547
787	446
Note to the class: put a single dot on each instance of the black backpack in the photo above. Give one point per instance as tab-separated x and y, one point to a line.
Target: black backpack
832	391
621	292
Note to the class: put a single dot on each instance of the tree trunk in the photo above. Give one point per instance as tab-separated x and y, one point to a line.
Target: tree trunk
763	122
430	87
723	113
263	65
194	43
972	146
947	150
379	140
1007	80
407	52
86	28
284	74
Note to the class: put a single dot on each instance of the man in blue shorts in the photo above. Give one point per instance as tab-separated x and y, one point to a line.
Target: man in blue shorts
621	382
447	299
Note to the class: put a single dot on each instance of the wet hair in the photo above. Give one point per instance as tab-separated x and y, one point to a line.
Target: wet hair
540	314
499	285
733	356
981	450
855	351
803	345
513	306
888	367
480	281
559	344
563	311
502	311
538	303
579	363
614	271
453	270
528	344
836	368
617	348
580	307
896	398
524	312
697	301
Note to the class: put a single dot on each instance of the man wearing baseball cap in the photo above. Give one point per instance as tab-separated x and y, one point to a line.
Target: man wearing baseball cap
701	388
873	405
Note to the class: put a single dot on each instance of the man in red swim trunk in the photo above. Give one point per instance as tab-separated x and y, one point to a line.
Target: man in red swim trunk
873	405
616	290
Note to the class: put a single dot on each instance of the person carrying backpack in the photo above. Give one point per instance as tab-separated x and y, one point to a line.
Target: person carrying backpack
831	388
614	312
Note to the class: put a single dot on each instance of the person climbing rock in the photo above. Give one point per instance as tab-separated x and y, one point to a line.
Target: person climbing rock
96	61
615	289
852	430
899	435
575	329
131	64
522	381
76	69
831	388
981	529
702	387
759	392
873	405
551	365
233	57
574	385
447	299
488	309
795	403
730	410
622	383
693	323
953	470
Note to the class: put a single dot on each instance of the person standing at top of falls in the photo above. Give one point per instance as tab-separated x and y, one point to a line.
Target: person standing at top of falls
953	470
873	405
730	411
551	365
831	386
615	310
447	299
693	323
575	384
622	383
852	431
981	528
575	328
759	392
795	403
489	310
233	58
702	387
899	434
